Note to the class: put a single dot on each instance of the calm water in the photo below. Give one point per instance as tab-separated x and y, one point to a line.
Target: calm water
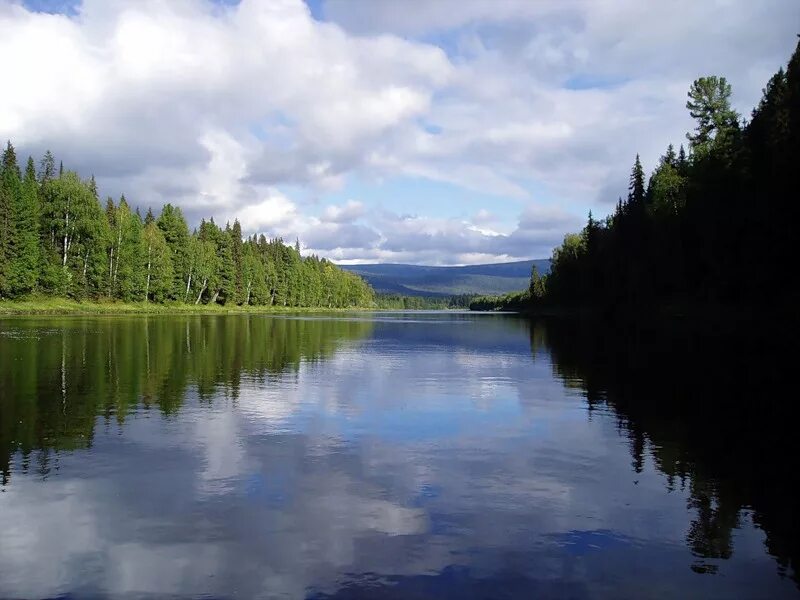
394	455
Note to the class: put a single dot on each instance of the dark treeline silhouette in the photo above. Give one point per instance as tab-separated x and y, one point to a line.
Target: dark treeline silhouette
76	370
401	302
708	408
56	239
713	226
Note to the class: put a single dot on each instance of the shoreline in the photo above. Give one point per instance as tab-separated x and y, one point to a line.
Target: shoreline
67	307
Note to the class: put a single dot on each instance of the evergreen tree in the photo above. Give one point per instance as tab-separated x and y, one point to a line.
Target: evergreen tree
237	254
54	233
23	270
9	190
636	185
176	234
47	168
709	104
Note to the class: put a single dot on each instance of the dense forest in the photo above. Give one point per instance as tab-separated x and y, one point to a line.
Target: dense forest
56	239
402	302
713	225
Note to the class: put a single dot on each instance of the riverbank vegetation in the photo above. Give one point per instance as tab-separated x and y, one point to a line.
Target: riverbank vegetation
713	226
57	241
400	302
48	305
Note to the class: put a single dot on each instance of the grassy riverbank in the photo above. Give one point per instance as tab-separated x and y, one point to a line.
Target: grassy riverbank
64	306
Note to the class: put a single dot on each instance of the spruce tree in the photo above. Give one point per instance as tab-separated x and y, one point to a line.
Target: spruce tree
176	234
636	192
25	263
709	104
47	168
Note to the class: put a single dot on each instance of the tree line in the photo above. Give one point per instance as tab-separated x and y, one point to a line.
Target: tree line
57	239
401	302
712	225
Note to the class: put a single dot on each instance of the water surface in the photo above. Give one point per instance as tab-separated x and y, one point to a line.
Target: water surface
408	455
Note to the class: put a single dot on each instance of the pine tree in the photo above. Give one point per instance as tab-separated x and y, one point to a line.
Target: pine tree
709	104
93	187
9	184
682	164
237	251
176	234
47	168
55	234
636	193
24	265
19	215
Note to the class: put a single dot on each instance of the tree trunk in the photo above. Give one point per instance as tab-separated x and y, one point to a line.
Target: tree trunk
119	247
249	284
149	262
66	236
214	299
188	285
203	289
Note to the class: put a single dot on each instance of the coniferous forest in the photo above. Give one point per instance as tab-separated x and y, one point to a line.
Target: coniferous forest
57	239
714	224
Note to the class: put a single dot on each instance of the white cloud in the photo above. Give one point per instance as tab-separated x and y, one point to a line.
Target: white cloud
351	211
219	108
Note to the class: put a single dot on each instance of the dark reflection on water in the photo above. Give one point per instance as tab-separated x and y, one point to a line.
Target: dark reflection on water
401	456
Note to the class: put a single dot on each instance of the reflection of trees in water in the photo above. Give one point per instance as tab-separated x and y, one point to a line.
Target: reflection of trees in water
713	410
57	376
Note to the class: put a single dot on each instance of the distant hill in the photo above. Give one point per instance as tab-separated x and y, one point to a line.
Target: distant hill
420	280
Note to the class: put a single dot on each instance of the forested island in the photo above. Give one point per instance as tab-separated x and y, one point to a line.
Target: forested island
58	241
714	226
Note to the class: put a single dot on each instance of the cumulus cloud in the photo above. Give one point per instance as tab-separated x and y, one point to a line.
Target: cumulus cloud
339	214
258	110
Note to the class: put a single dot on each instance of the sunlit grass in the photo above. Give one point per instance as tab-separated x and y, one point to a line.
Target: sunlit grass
37	305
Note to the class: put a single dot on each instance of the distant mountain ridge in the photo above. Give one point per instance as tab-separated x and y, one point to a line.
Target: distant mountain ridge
421	280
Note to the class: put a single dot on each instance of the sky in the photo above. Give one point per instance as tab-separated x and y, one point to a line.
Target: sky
444	132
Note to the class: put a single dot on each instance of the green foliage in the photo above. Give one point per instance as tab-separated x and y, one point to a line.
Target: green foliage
176	234
73	229
400	302
716	226
56	239
19	227
156	264
125	252
514	301
538	285
709	104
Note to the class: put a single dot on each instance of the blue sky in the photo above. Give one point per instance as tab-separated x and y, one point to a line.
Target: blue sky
462	131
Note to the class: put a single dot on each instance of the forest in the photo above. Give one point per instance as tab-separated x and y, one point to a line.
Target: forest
57	240
713	225
403	302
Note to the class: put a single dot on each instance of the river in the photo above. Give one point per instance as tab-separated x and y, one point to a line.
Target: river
393	455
